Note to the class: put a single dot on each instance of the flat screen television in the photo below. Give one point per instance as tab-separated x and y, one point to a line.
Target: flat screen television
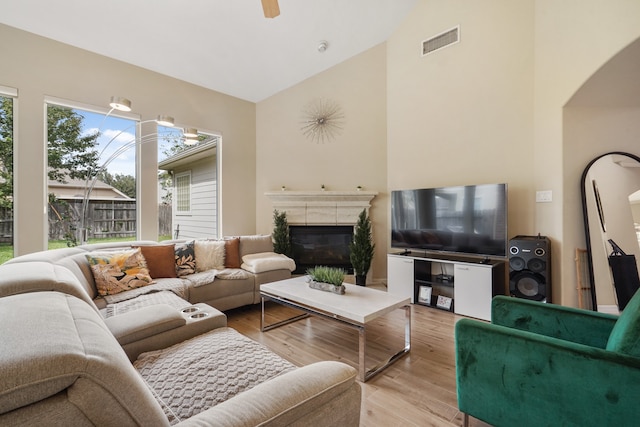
465	220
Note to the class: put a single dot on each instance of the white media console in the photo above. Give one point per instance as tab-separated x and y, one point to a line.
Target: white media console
464	286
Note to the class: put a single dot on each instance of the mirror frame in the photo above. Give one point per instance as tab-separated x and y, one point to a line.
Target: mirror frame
587	234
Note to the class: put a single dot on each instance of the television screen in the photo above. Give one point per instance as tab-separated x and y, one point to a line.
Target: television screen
470	220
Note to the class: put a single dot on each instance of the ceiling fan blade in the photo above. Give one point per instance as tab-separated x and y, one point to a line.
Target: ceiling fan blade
271	8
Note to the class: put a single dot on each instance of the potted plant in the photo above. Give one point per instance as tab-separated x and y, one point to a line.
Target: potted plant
362	248
281	239
326	279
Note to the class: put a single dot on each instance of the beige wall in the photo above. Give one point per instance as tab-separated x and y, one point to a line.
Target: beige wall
573	39
464	114
356	157
39	68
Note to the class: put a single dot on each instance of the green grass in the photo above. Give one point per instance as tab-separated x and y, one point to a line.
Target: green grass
6	249
6	252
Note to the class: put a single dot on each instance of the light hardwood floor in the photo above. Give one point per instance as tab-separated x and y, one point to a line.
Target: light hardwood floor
417	390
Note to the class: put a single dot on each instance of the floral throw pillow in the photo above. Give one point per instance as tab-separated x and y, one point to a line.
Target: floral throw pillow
115	272
185	259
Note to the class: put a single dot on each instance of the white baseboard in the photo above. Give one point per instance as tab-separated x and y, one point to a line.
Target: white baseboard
610	309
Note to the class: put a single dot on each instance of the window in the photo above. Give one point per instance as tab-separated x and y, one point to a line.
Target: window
6	173
170	142
90	150
183	193
194	199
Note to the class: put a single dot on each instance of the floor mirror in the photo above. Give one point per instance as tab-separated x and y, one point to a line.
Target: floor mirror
611	209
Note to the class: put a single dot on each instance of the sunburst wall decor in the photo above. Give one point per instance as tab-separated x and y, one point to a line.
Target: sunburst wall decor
322	120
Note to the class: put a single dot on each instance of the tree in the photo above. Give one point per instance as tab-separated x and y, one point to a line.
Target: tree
281	240
120	181
361	247
69	153
166	184
6	152
176	143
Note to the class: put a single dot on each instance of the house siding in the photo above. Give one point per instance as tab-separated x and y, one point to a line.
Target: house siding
202	221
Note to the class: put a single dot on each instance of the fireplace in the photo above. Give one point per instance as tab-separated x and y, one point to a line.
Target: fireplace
321	224
327	245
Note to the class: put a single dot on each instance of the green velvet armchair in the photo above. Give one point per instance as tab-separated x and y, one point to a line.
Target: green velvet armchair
540	364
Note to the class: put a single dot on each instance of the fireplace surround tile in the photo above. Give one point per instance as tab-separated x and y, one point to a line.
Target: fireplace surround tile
321	207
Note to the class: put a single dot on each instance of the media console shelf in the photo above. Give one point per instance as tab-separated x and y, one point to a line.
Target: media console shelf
464	286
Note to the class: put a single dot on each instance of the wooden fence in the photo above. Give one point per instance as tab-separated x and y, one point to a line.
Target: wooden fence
6	225
164	220
105	219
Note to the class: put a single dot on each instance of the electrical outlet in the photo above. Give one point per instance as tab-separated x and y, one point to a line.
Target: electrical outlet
544	196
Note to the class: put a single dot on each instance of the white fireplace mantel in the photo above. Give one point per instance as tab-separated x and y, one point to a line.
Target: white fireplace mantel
321	207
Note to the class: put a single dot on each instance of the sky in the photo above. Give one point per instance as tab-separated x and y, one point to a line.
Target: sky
114	133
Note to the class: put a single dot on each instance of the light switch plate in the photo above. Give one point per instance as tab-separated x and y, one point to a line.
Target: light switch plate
545	196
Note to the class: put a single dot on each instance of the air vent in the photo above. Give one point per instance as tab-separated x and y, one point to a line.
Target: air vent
441	40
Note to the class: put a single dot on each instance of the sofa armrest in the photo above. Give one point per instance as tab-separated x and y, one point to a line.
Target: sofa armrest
320	394
566	323
144	322
511	377
36	276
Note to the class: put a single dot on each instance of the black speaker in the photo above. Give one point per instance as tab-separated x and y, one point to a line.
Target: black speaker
530	268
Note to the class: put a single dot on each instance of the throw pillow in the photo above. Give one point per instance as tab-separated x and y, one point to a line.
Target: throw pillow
255	244
232	253
160	260
185	259
209	255
115	272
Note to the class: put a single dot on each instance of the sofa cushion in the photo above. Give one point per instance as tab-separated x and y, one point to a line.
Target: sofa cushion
119	271
232	252
255	244
209	255
160	260
267	261
185	258
205	377
625	335
205	278
139	300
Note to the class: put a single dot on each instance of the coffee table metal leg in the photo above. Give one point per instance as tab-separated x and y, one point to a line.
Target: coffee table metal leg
365	374
362	343
407	328
264	327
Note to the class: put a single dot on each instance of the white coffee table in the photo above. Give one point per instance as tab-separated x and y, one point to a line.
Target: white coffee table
357	307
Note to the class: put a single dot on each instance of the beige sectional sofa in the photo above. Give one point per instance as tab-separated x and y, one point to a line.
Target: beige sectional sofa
158	354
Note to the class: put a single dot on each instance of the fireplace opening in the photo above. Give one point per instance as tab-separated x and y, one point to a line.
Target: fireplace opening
328	245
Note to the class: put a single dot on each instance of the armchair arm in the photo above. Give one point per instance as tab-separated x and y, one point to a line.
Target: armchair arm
511	377
320	394
567	323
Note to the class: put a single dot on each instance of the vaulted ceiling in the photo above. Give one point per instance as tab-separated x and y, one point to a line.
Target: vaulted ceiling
224	45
